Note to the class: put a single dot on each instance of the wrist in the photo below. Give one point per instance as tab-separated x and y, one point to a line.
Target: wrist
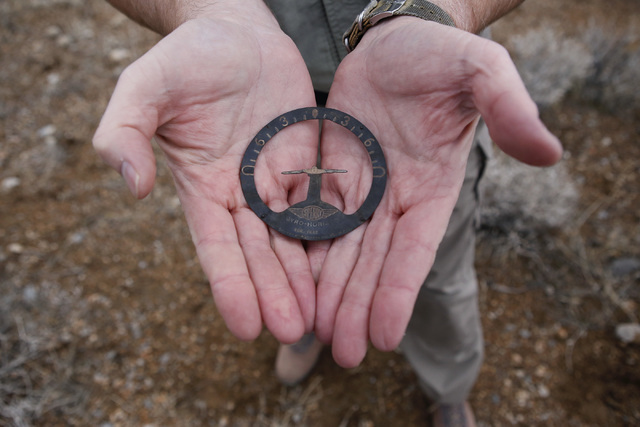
248	12
164	16
475	15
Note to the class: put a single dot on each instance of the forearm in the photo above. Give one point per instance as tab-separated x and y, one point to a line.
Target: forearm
475	15
164	16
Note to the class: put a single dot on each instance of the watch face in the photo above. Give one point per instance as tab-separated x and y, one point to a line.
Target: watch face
313	218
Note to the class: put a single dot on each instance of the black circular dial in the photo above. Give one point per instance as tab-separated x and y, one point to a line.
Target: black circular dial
313	219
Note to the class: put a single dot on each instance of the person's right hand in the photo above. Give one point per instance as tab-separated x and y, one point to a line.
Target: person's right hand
204	92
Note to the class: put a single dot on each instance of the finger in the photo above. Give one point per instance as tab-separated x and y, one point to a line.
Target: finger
351	334
415	241
510	113
278	303
295	263
123	138
214	234
341	257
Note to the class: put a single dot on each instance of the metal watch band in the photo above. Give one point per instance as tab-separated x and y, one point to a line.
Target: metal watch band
377	10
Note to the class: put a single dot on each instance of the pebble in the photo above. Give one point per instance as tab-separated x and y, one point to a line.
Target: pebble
516	359
64	40
48	130
165	359
543	391
53	79
522	397
119	54
562	333
628	332
10	183
30	293
624	266
52	31
15	248
76	237
541	371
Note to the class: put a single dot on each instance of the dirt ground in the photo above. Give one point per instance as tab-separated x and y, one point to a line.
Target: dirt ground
107	320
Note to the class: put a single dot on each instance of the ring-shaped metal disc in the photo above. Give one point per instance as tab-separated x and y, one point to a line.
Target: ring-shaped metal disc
313	219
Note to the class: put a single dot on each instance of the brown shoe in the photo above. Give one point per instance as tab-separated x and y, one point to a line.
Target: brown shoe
456	415
296	361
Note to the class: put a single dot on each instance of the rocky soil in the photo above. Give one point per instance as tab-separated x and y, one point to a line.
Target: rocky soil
107	320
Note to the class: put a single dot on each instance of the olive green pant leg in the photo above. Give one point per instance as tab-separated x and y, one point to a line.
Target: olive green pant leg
443	341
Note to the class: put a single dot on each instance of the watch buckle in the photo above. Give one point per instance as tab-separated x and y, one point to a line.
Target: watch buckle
372	4
395	6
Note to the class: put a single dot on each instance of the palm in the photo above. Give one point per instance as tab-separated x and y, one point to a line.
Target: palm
204	104
424	114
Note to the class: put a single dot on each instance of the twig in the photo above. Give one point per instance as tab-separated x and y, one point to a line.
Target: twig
507	289
345	420
303	400
571	342
603	201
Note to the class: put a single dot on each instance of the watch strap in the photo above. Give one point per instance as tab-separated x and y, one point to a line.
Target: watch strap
377	10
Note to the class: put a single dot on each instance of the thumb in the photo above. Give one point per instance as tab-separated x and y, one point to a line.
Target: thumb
510	113
123	138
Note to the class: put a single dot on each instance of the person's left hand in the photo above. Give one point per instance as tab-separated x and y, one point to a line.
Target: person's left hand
420	87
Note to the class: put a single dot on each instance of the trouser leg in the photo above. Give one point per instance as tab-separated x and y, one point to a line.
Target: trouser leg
444	341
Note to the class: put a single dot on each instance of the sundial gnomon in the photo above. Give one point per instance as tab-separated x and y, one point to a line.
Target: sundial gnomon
313	218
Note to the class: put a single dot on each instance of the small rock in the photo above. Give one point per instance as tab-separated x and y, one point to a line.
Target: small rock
516	359
541	371
525	333
29	293
623	266
543	391
562	333
76	237
63	40
100	379
15	248
53	79
522	397
165	358
119	54
52	31
628	332
10	183
48	130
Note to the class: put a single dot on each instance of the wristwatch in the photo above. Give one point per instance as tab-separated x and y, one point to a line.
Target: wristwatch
378	10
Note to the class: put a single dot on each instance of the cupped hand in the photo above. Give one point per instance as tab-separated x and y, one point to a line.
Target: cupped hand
203	93
420	87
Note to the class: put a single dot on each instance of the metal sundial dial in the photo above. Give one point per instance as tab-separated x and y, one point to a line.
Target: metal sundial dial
313	219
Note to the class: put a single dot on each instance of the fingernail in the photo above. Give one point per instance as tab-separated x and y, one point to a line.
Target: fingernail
131	177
